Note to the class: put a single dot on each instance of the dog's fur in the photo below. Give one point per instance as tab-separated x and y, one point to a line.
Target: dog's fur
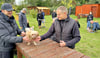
31	34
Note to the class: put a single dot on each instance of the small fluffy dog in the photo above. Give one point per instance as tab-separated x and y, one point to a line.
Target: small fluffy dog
31	34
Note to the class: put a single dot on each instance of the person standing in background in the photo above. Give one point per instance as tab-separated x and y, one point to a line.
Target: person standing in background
89	18
54	15
39	19
43	19
23	19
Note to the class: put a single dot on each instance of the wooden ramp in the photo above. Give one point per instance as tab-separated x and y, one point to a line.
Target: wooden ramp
47	49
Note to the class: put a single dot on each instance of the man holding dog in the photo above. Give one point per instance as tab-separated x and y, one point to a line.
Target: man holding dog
8	32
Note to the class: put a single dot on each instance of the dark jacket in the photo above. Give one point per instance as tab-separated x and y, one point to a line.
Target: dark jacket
8	33
22	20
90	17
54	15
78	24
68	32
39	16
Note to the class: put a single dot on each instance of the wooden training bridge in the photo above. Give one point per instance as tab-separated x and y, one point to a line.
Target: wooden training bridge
47	49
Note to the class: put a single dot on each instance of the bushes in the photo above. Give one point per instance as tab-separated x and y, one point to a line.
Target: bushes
33	13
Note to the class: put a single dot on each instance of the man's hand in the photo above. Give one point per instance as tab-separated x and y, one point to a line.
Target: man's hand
37	39
20	27
62	44
26	39
23	34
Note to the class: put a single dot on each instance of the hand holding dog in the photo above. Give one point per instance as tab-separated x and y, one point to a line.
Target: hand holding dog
37	39
23	33
26	39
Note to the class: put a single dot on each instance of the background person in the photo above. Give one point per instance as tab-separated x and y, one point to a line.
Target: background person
43	19
39	19
54	15
89	18
95	26
23	19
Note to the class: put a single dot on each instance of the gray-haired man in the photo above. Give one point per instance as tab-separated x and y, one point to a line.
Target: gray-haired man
65	29
8	32
23	19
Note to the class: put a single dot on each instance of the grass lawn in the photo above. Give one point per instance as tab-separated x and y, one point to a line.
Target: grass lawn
89	43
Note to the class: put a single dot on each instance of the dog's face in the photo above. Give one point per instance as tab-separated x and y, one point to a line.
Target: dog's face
31	33
34	34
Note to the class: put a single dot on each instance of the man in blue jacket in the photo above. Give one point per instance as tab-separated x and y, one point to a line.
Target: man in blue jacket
66	29
8	32
23	19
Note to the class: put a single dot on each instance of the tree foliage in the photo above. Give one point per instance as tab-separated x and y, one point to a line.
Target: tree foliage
52	4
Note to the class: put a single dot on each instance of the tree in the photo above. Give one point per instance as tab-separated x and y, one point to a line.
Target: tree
1	2
67	3
9	1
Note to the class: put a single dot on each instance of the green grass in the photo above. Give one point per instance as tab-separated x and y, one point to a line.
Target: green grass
89	43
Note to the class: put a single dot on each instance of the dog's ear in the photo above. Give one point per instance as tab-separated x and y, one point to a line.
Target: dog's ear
27	29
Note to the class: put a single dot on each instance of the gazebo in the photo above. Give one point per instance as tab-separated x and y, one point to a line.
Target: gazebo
45	9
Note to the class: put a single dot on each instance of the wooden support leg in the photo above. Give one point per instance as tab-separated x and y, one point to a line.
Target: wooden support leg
19	54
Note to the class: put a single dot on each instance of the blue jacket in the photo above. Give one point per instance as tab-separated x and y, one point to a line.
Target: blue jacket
43	14
22	20
95	26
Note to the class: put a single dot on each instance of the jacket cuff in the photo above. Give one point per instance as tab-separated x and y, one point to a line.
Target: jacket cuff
67	44
41	38
20	39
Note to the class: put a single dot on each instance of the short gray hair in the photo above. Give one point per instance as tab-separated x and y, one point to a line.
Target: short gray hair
24	9
62	8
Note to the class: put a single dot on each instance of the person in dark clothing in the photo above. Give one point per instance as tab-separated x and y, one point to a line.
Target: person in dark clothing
89	18
39	19
43	17
65	29
77	23
54	15
9	31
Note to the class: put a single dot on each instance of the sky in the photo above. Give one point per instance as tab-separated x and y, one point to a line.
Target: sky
18	2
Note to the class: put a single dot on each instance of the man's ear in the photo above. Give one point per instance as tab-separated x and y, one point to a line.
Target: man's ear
2	10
